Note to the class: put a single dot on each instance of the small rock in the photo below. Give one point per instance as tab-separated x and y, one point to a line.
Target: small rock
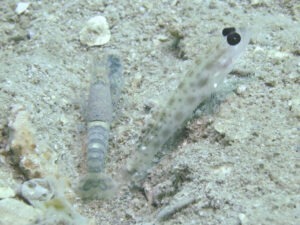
162	38
33	159
270	82
241	90
13	211
6	192
243	219
59	211
257	3
37	190
230	129
294	106
96	32
21	7
150	104
137	81
21	133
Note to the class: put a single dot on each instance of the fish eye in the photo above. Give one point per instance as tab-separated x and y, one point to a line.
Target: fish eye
228	30
233	38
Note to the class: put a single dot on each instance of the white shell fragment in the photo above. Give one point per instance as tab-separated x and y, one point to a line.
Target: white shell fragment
37	190
96	32
21	7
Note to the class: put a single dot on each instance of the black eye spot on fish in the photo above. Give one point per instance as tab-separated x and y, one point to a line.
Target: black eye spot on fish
228	30
233	38
200	81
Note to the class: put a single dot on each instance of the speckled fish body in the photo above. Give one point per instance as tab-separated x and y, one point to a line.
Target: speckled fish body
199	83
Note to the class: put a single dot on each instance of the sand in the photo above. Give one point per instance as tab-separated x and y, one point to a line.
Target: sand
239	161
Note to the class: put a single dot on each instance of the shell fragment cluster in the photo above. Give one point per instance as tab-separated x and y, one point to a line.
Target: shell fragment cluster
96	32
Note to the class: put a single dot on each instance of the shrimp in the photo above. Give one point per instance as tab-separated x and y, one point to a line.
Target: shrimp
104	92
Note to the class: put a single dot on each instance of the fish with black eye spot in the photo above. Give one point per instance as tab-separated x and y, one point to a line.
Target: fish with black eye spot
233	38
201	81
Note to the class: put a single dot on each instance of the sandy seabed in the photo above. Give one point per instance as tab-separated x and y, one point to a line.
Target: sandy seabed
241	162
